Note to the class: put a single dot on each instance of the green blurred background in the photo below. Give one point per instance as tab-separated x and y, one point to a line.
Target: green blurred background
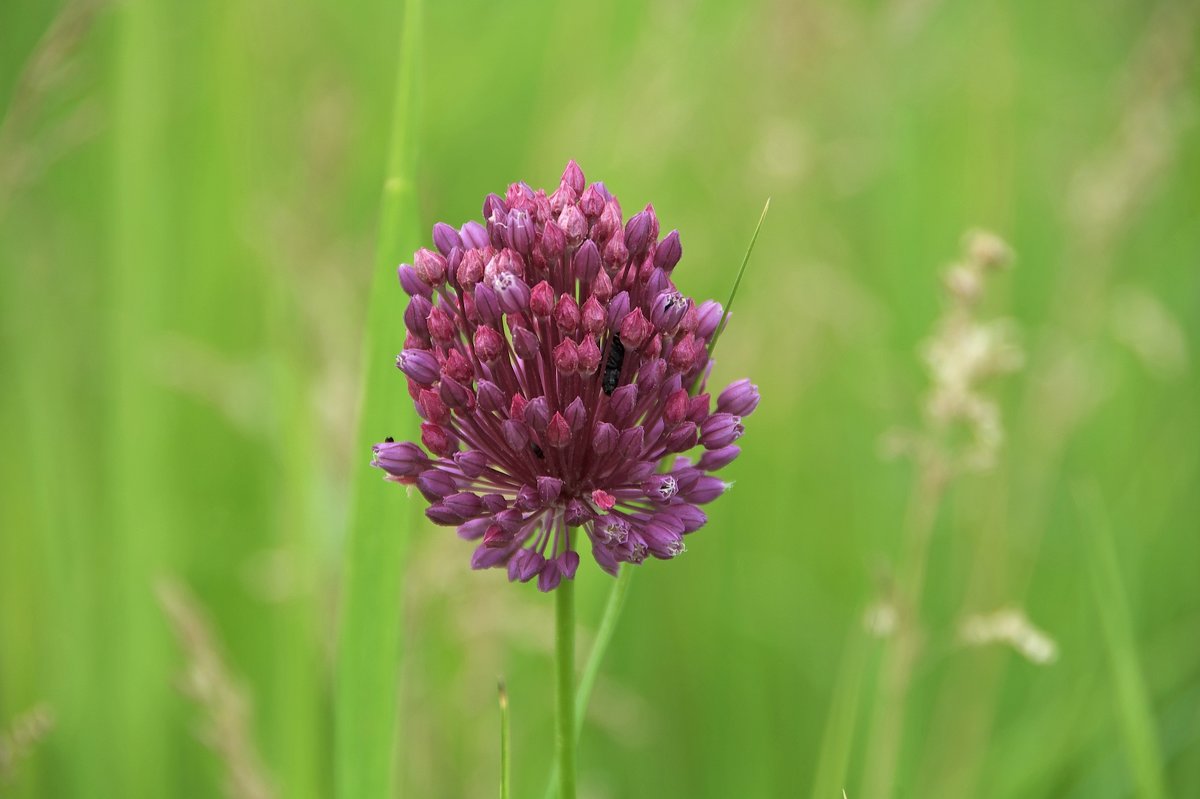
188	211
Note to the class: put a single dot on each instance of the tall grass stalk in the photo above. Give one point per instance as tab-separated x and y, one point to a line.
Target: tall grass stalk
1134	712
838	739
366	718
505	750
900	650
135	673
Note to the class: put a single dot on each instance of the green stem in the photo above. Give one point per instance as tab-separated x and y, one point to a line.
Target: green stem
505	751
564	693
608	625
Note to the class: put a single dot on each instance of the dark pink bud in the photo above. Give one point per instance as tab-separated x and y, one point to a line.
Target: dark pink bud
456	395
676	407
472	462
591	202
651	373
566	314
682	437
549	489
553	242
608	223
411	283
604	438
668	310
698	408
463	503
489	344
563	196
615	251
537	414
541	299
441	327
516	408
631	441
589	356
420	365
602	286
653	347
430	266
525	343
432	408
511	292
683	353
656	280
739	398
635	329
618	309
550	576
708	316
573	176
576	414
437	440
573	223
558	432
566	357
497	537
720	429
527	499
494	204
399	458
593	316
525	565
494	503
668	252
586	263
470	269
458	367
509	260
568	563
603	499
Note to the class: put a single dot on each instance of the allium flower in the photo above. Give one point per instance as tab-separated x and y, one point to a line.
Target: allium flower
555	363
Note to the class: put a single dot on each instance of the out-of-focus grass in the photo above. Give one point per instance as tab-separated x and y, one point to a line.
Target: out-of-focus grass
188	211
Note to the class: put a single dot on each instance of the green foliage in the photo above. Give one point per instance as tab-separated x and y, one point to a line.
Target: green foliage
192	250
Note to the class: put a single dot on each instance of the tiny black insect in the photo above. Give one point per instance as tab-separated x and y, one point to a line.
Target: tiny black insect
612	368
390	440
537	451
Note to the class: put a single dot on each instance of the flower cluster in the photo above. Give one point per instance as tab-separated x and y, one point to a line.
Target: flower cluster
556	366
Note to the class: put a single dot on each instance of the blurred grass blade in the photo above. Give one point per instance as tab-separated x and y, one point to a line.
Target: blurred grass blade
505	752
1135	714
369	648
838	739
738	280
591	669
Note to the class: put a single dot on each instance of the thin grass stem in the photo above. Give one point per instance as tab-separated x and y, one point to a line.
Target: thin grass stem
366	718
505	750
712	344
564	685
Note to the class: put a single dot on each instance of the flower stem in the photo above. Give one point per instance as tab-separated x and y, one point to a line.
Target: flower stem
505	751
564	684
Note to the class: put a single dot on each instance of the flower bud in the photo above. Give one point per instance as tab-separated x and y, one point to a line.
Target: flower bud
472	462
527	499
631	441
635	329
668	252
445	238
573	176
490	396
589	356
578	513
430	266
720	429
591	202
638	231
416	316
456	395
602	287
615	251
586	261
549	489
622	401
550	576
516	408
683	353
511	293
516	435
650	374
593	316
463	503
681	438
519	232
458	367
486	305
441	327
705	490
676	407
618	309
420	365
525	343
566	357
573	223
473	235
489	344
553	242
739	398
660	487
431	407
604	438
566	314
576	414
537	414
399	458
470	269
435	484
541	299
708	317
667	311
698	408
558	432
411	283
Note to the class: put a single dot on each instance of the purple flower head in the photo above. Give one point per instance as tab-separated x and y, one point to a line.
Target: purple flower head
553	361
